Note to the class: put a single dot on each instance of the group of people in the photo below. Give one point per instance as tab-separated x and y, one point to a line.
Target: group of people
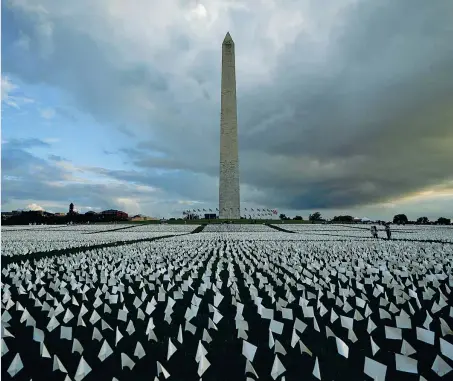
374	231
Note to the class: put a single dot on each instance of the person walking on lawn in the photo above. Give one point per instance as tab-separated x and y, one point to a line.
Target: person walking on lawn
388	231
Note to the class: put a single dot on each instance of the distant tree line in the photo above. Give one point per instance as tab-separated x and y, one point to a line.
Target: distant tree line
401	219
38	217
343	219
285	218
315	217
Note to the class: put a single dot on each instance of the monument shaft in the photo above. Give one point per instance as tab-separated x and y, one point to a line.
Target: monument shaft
229	196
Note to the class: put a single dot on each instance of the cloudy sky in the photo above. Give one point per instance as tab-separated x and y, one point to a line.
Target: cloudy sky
345	107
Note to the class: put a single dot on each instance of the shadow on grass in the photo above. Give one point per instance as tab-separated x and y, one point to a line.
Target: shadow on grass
74	250
279	228
116	229
198	229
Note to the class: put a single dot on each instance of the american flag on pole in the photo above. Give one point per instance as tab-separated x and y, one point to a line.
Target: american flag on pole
210	210
245	209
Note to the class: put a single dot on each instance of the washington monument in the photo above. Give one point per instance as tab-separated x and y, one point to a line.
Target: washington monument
229	198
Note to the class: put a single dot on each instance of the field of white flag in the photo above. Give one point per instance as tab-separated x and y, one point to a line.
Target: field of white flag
227	302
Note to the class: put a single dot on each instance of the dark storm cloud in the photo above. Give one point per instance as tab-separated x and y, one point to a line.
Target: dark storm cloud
355	113
23	172
175	183
18	163
78	64
377	114
142	74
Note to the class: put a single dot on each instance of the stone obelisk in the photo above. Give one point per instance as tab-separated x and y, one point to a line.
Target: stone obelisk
229	198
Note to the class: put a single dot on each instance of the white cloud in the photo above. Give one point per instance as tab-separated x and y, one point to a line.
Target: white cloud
189	202
35	207
57	184
131	205
8	88
145	188
198	12
68	166
47	113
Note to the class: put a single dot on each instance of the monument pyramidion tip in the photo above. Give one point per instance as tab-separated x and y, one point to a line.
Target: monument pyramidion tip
228	40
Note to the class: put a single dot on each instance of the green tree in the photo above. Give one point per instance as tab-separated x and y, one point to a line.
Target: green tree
343	219
283	216
400	219
423	220
298	218
315	216
443	221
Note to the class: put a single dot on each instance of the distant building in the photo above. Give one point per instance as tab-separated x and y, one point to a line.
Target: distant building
114	214
210	216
